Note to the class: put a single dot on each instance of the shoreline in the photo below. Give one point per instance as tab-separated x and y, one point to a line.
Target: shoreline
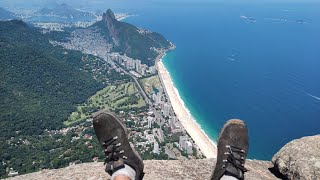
205	144
121	18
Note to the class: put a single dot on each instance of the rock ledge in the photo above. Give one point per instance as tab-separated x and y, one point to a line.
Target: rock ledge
299	159
154	169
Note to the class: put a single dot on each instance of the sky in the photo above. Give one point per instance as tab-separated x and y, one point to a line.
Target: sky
41	3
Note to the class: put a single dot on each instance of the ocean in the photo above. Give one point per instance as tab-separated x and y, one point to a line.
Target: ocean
259	62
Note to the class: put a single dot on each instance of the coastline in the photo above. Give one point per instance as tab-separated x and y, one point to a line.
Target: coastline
207	146
123	17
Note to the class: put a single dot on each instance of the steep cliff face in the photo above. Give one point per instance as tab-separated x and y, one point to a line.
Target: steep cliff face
155	170
110	20
135	42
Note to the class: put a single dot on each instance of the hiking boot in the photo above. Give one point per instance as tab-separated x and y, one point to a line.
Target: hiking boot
232	150
113	137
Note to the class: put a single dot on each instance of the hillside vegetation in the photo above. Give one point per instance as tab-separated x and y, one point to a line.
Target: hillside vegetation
48	93
38	85
114	98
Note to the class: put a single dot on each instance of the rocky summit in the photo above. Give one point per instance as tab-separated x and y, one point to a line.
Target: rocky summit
135	42
299	159
155	170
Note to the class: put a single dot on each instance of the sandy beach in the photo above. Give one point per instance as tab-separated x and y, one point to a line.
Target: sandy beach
122	17
207	147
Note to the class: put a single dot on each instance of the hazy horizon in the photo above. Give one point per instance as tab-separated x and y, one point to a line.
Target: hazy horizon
124	3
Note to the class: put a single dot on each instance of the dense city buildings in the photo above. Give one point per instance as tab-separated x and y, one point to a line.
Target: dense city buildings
157	131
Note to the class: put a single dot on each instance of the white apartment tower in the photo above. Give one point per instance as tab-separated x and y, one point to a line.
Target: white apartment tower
150	122
166	110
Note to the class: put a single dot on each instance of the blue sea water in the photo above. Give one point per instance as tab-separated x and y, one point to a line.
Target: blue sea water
264	69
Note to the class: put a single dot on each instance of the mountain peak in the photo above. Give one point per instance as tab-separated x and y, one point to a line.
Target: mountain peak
17	22
109	15
132	41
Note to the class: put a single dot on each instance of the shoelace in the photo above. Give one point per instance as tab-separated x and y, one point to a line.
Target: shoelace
112	151
235	157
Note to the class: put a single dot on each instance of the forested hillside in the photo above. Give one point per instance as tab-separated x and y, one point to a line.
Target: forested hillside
40	84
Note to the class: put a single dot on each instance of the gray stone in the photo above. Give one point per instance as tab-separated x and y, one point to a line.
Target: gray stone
299	159
154	169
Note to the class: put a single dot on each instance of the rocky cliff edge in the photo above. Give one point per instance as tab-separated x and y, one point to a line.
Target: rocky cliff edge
299	159
154	169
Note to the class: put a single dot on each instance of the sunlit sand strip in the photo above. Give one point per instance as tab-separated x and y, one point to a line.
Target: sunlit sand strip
207	147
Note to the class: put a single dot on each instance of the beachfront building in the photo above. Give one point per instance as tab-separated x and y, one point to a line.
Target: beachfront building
157	99
138	65
182	141
178	125
161	104
143	69
150	121
185	144
166	110
156	148
176	133
130	64
114	56
152	70
160	90
154	97
173	123
188	147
